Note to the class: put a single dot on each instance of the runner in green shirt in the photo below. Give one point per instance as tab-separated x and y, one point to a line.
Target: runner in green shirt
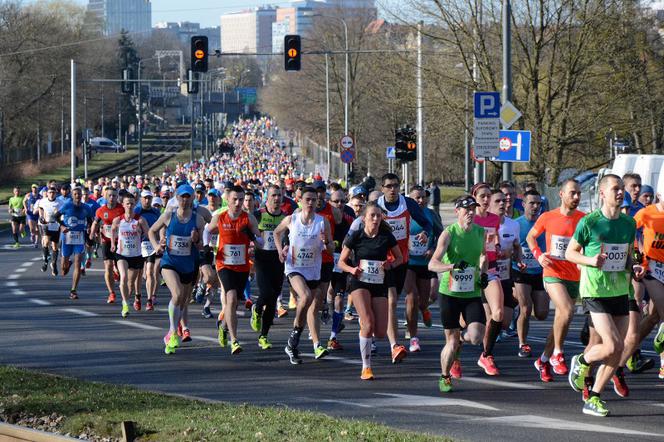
602	246
17	212
459	257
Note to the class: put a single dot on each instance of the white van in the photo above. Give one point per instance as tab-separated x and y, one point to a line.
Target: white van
100	144
624	163
649	168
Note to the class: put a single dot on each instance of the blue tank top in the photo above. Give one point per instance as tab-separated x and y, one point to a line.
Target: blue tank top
31	200
415	249
179	251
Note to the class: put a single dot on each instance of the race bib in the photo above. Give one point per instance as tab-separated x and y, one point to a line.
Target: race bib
415	247
398	226
146	249
74	238
53	227
179	245
559	246
214	240
657	270
268	240
336	268
490	239
529	259
107	230
503	269
235	254
462	281
303	257
372	271
616	257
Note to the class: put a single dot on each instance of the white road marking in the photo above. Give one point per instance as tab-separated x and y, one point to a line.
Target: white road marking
38	258
80	312
205	338
335	358
13	276
136	324
391	400
39	302
486	381
27	264
94	270
21	270
19	292
532	421
11	284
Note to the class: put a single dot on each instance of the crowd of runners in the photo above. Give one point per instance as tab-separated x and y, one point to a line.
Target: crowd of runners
210	228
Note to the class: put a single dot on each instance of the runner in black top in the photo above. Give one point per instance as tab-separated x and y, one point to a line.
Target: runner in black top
370	245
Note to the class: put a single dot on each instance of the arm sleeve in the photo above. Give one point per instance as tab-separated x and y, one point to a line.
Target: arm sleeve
418	215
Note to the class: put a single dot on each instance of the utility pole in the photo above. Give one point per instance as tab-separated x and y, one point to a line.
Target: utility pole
466	144
480	172
139	113
73	121
421	171
327	115
102	110
507	71
191	156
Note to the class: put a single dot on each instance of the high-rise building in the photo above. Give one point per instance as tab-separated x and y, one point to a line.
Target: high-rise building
183	31
116	15
248	31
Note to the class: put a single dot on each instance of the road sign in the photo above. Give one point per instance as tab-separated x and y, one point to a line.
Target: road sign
390	152
486	124
509	114
347	142
347	156
514	146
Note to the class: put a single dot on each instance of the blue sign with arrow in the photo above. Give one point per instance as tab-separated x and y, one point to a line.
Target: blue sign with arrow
514	146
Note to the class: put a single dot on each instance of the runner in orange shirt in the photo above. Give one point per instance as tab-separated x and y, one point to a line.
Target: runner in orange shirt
561	277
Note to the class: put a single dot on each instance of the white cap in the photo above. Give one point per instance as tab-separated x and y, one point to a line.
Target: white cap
146	193
165	189
156	201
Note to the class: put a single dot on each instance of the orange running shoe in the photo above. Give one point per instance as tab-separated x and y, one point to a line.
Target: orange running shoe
367	374
281	312
398	353
455	370
116	276
426	318
111	298
137	304
248	303
186	335
149	306
488	364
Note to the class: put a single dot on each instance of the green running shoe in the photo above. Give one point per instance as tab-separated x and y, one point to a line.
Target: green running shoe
223	336
445	384
594	406
320	352
658	343
256	320
236	348
631	363
577	374
17	245
125	310
264	343
171	342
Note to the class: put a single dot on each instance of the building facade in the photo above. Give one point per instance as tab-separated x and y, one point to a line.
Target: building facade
183	31
116	15
248	31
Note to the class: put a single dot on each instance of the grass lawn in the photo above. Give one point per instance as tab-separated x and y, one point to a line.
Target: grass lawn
95	408
448	194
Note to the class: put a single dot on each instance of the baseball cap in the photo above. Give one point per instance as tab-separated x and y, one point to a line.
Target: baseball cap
214	192
97	187
146	193
358	190
647	189
157	201
165	189
228	185
200	188
465	202
184	189
319	185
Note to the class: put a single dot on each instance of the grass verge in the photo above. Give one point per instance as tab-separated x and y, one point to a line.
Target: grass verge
448	194
94	408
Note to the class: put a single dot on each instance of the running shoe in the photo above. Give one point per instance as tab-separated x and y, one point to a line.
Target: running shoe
199	293
320	352
587	386
292	305
544	370
414	345
455	370
236	348
487	363
293	354
116	276
525	351
248	303
149	306
222	335
325	314
658	342
631	362
73	295
577	374
445	384
281	312
264	343
558	364
88	263
23	234
172	342
137	304
111	298
398	353
206	313
426	318
256	320
642	363
348	315
162	283
186	335
125	310
44	266
367	374
82	271
17	245
661	372
619	384
406	334
594	406
95	255
333	344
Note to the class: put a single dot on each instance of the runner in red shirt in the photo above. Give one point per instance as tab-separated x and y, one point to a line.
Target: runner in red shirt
104	220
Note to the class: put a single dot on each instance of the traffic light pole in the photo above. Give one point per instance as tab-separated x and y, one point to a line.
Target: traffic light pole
421	171
73	121
507	71
191	155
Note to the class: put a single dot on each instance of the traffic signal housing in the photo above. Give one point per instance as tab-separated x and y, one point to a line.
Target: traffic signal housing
199	53
292	52
405	144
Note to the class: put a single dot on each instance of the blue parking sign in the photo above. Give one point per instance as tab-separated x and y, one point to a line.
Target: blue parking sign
487	104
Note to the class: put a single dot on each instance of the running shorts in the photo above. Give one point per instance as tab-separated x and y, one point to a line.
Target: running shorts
451	307
339	283
535	282
421	272
185	278
571	286
614	306
18	219
106	254
376	290
133	262
311	284
72	249
232	280
326	270
396	277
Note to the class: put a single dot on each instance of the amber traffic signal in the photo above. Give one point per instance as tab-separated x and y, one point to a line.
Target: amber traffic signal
199	53
292	52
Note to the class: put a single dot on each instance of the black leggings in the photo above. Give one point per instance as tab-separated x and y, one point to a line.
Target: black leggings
270	280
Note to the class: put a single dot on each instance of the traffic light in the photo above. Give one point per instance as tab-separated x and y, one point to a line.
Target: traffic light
405	144
199	53
292	52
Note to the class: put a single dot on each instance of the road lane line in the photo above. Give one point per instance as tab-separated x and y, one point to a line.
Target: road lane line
19	292
80	312
38	258
13	276
136	324
21	270
26	264
39	302
11	284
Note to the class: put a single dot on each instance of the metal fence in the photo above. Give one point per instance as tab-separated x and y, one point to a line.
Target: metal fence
16	155
318	154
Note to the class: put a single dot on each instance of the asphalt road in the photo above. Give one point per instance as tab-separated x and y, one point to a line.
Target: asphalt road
88	339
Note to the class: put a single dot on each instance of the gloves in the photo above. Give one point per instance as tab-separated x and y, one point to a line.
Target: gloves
462	265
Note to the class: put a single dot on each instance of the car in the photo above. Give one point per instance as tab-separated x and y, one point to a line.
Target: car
101	144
